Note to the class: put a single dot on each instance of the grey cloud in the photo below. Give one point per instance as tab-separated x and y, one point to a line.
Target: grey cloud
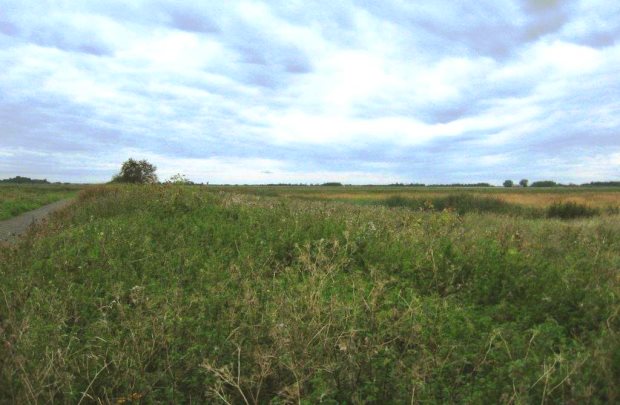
54	34
259	48
478	96
193	21
278	59
545	16
7	28
478	28
597	27
599	39
254	45
452	28
57	127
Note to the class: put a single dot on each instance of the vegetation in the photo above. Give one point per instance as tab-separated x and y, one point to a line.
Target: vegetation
508	183
462	185
136	172
524	182
544	183
602	184
570	210
24	180
460	203
17	199
179	179
171	294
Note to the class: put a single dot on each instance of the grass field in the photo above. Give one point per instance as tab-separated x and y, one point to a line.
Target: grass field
600	197
17	199
169	294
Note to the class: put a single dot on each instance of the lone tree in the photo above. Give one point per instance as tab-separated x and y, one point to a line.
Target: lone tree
524	182
138	172
508	183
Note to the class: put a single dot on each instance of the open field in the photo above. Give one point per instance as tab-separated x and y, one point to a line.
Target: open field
17	199
599	197
171	294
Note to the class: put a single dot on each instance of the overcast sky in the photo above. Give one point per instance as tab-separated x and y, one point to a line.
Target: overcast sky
312	91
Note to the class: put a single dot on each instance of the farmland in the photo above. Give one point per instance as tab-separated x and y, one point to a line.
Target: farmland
173	294
17	199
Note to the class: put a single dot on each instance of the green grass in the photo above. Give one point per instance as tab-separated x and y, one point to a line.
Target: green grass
17	199
181	294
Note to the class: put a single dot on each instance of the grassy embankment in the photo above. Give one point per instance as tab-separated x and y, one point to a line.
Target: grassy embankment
170	294
17	199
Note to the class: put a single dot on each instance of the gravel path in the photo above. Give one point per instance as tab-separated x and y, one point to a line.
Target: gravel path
10	229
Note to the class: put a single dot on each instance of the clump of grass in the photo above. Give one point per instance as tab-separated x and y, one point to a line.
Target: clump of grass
570	210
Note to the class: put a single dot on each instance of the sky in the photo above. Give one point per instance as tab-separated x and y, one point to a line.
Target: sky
288	91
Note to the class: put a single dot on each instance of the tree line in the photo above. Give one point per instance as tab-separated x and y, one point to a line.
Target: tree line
24	180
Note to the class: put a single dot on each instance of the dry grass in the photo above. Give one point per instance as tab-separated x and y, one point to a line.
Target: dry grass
543	200
528	199
538	198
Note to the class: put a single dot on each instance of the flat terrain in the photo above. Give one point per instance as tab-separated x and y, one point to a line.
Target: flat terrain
600	197
171	294
16	199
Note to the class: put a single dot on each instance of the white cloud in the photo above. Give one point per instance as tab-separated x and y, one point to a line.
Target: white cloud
262	91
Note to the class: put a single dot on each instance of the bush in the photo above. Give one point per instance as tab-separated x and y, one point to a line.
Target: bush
570	210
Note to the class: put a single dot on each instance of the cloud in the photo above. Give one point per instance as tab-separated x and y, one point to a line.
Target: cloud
354	91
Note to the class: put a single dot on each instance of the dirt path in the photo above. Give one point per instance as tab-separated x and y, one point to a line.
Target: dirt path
10	229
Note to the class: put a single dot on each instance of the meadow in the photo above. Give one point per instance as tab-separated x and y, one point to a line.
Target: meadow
188	294
17	199
600	197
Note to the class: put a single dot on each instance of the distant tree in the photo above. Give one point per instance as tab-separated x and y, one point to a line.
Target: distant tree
332	184
137	172
524	182
509	183
545	183
179	179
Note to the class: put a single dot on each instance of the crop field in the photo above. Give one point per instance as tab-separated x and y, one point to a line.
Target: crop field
189	294
17	199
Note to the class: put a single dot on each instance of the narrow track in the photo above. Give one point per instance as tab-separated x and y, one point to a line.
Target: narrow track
12	228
